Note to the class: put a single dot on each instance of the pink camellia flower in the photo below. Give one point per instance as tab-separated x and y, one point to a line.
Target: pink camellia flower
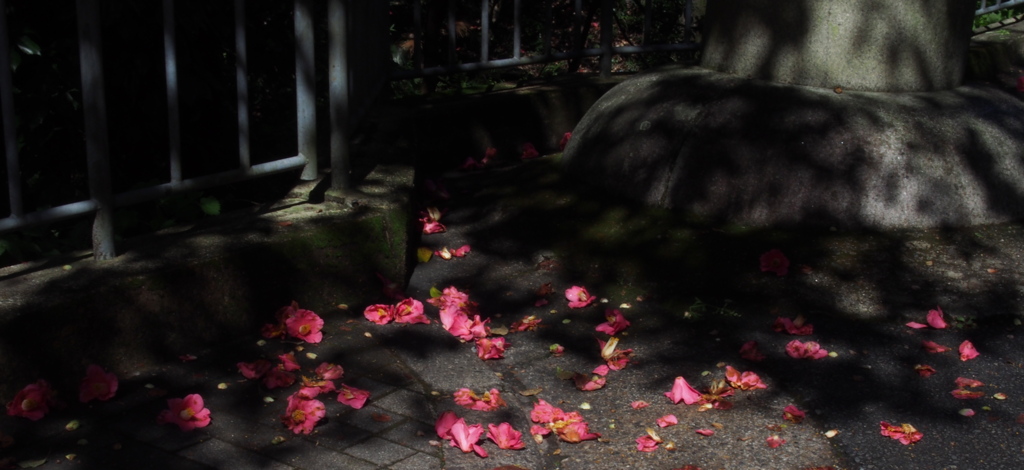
750	352
616	358
569	427
961	392
576	431
705	432
564	141
489	401
967	351
935	318
328	371
793	414
646	443
352	396
795	327
32	402
188	413
616	322
924	370
682	391
774	261
410	311
934	347
636	405
306	325
320	385
255	369
432	226
774	441
444	423
379	313
528	323
904	433
529	151
302	414
667	420
578	297
465	437
505	436
595	381
461	251
490	348
98	384
808	350
288	362
273	330
544	412
744	380
277	377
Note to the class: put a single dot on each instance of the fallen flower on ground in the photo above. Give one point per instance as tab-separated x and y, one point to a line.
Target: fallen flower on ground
667	420
288	362
528	323
444	423
578	297
430	219
306	326
705	432
32	402
793	414
796	327
410	311
461	251
615	358
490	348
556	350
639	404
961	392
774	441
379	313
934	347
646	443
505	436
302	414
465	437
569	427
682	391
962	382
255	369
935	319
750	352
904	433
188	413
489	401
808	350
352	396
98	384
328	371
277	377
774	261
715	398
595	381
743	380
967	351
924	370
616	322
529	151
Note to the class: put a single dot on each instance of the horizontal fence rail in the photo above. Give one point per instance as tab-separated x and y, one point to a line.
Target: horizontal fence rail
989	6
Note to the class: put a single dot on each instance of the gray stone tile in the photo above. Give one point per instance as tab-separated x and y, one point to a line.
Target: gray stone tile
413	434
418	461
372	419
379	451
411	404
219	454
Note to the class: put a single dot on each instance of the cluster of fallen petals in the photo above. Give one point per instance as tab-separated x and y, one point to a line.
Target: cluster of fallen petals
471	164
303	411
793	414
904	433
743	380
488	401
569	427
455	310
431	220
406	311
962	391
578	297
527	323
529	151
465	437
446	254
188	413
297	323
594	381
615	358
615	323
795	327
33	401
935	320
808	350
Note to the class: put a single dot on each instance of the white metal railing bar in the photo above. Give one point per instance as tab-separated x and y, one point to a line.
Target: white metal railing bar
305	87
242	85
171	81
996	5
338	75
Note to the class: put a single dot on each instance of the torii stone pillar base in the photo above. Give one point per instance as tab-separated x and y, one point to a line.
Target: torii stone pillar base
731	147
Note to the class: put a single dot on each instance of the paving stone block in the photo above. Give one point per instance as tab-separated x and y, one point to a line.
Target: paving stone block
219	454
380	451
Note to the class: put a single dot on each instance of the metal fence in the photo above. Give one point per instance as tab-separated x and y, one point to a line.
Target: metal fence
349	96
358	64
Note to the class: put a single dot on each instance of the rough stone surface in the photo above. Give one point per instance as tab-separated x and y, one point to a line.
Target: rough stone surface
866	45
758	153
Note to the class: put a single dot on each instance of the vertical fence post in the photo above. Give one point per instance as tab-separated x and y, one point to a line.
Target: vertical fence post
97	148
517	30
485	29
606	38
305	87
171	77
337	20
7	114
452	55
242	86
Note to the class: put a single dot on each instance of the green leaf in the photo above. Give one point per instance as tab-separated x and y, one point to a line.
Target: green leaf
29	46
434	292
210	205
